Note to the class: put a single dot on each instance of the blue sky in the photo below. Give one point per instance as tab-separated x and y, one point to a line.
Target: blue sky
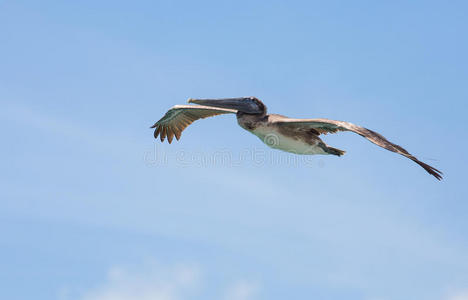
92	208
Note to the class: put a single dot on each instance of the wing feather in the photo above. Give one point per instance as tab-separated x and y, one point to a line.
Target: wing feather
156	132
180	117
324	126
162	135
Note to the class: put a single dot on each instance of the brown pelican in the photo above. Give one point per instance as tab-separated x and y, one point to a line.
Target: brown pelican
299	136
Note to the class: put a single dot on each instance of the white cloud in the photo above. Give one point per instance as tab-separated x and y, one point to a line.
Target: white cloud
154	282
461	295
241	290
157	282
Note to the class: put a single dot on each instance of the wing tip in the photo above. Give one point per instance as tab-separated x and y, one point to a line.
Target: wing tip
164	133
437	174
157	131
431	170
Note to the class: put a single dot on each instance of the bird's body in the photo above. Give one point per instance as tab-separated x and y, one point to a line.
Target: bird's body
304	142
298	136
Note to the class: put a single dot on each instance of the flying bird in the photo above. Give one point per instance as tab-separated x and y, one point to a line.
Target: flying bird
299	136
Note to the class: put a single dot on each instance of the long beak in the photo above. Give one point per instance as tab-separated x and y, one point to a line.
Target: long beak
244	104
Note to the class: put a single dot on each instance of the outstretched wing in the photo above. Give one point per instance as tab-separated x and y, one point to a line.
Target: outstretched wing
181	116
324	126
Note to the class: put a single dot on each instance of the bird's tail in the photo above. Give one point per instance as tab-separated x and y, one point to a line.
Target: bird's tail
335	151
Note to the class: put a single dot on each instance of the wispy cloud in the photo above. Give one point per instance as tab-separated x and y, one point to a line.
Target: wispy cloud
460	295
242	290
153	282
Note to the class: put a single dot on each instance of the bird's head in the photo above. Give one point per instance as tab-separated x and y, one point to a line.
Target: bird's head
246	105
